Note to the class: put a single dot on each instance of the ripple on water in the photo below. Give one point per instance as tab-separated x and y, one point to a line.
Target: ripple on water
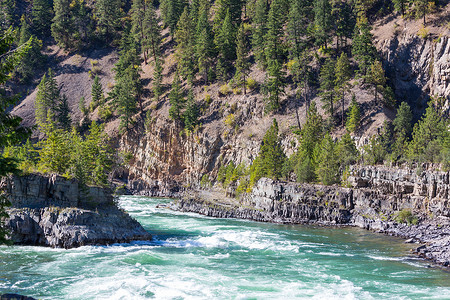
197	257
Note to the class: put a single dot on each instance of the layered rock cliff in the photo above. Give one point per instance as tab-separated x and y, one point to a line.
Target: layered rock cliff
418	66
53	211
398	202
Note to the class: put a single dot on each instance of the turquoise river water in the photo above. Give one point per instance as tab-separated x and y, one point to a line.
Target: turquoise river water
196	257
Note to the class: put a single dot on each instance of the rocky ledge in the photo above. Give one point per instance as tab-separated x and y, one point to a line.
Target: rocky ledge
57	212
397	202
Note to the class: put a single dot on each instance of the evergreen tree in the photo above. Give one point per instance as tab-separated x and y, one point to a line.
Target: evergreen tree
274	55
242	63
185	51
376	77
327	85
138	11
8	14
157	78
171	11
344	23
347	151
97	92
225	42
297	28
421	8
354	116
402	129
271	157
430	137
362	48
310	137
343	75
204	41
190	115
108	16
260	29
11	130
125	95
152	34
55	150
33	59
61	25
400	6
42	14
47	99
322	22
63	117
176	100
327	162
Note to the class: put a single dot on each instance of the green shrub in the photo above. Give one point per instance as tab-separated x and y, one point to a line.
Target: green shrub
406	216
224	90
251	83
230	120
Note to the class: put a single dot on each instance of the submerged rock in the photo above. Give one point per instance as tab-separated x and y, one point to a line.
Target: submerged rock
56	212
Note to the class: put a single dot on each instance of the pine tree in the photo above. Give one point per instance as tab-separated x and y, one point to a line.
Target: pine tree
176	100
271	157
347	151
33	59
362	48
157	78
260	29
402	129
327	85
138	11
327	162
190	115
343	22
430	136
242	63
185	51
400	6
47	99
297	28
310	136
343	75
421	8
204	42
42	14
171	11
61	26
125	98
376	77
225	42
274	55
10	15
354	116
322	22
152	34
63	116
108	16
97	92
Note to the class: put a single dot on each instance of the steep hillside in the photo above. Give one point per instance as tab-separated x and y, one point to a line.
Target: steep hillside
166	158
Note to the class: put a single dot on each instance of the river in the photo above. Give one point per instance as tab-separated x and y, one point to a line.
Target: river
196	257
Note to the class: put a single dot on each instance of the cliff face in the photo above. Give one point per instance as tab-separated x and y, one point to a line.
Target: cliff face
53	211
418	67
377	199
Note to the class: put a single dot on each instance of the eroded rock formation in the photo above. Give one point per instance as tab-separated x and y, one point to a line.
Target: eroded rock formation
53	211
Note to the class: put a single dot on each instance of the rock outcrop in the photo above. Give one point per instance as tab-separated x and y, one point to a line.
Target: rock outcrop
376	201
418	67
56	212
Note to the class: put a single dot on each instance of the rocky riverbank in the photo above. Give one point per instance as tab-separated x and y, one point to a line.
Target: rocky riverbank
397	202
56	212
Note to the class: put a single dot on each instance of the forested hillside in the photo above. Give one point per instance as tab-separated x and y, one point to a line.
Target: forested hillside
228	91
